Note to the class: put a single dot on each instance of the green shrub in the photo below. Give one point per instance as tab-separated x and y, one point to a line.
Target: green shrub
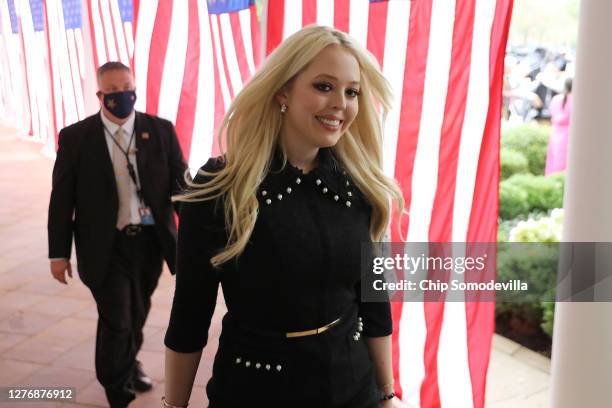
513	201
543	193
532	262
532	141
534	254
504	227
531	196
539	228
512	162
537	266
548	317
558	178
528	313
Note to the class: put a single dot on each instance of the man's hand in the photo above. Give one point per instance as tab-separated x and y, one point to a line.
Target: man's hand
59	268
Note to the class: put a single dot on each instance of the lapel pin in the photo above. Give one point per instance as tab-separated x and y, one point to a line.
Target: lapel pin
145	136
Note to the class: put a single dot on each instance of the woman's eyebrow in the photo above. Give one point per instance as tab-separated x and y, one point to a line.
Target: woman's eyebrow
336	79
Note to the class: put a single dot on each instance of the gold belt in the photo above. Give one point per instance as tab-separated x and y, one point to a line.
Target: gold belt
311	332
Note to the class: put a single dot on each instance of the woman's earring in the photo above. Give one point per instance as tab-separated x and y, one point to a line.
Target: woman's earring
283	108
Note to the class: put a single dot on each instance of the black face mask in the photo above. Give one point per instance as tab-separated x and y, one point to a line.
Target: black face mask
120	104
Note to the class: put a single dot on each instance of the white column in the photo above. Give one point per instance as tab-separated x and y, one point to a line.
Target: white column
582	338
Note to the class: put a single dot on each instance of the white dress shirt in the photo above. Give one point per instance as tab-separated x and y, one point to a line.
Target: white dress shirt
128	128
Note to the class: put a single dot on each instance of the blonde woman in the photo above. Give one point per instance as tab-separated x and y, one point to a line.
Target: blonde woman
278	222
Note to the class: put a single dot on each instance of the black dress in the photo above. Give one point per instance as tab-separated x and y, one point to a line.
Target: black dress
299	271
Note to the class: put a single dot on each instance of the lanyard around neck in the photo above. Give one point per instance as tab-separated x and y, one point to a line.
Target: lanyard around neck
130	167
124	151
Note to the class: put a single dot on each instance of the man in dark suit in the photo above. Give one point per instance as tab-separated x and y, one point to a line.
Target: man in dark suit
113	180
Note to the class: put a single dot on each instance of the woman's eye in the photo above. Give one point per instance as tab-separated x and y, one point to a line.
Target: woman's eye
323	87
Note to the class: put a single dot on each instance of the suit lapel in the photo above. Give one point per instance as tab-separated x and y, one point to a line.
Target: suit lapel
142	136
101	147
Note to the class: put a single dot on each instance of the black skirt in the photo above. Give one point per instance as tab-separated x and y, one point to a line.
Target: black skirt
255	368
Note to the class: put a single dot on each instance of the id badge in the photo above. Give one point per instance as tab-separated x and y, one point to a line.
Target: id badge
146	218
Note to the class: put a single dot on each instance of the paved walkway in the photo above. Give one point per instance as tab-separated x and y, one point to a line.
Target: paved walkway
47	330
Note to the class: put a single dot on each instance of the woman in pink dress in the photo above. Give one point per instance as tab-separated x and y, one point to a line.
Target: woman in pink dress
560	110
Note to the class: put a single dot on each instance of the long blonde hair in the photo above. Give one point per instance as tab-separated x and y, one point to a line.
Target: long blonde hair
252	126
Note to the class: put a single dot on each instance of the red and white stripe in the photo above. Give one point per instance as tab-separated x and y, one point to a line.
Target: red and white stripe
5	89
67	66
15	97
34	47
113	39
196	65
444	59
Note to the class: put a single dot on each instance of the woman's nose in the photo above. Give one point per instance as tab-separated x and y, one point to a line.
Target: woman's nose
339	100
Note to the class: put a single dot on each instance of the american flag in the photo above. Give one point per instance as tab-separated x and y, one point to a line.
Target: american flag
191	58
36	64
13	81
444	60
5	83
64	24
112	33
